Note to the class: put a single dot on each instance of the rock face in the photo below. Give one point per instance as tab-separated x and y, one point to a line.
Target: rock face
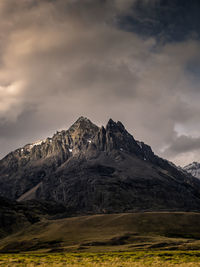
193	169
97	170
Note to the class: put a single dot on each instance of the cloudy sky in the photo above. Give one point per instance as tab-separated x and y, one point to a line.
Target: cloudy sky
137	61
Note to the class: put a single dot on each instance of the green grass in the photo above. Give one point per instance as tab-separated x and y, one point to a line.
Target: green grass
118	259
109	232
132	239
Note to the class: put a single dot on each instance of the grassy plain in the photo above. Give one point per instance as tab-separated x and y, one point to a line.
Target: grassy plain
115	259
131	239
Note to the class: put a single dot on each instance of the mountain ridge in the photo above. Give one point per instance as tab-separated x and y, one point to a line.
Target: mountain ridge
93	169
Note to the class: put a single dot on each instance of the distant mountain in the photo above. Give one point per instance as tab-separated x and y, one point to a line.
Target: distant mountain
91	169
193	169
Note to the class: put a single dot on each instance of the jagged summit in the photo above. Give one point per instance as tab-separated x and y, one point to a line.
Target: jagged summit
81	128
82	118
110	123
81	121
115	125
95	170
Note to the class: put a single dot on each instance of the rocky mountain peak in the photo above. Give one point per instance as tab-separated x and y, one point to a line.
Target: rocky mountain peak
115	126
83	124
82	130
92	169
192	165
193	168
110	123
82	121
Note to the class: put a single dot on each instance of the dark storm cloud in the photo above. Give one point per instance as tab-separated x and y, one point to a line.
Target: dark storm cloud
166	20
62	59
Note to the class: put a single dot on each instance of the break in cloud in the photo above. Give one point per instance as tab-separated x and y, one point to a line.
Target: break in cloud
62	59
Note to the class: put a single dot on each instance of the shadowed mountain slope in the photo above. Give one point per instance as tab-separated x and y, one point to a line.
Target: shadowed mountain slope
16	216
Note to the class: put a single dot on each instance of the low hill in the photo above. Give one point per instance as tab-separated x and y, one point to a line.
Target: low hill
109	232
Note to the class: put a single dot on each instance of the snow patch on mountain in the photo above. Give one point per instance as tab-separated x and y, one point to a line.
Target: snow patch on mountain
193	168
37	143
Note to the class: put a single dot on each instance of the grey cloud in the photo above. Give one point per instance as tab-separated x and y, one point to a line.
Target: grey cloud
183	149
62	59
184	144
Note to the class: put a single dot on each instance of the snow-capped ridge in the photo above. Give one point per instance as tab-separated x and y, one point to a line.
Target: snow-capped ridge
193	168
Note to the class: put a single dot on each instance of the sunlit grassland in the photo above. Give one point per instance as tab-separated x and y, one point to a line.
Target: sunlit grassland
108	232
118	259
140	239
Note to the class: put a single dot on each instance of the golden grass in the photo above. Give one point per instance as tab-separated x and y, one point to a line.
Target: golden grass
121	240
115	259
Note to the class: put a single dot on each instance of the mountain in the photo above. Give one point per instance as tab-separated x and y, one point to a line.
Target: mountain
91	169
193	169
